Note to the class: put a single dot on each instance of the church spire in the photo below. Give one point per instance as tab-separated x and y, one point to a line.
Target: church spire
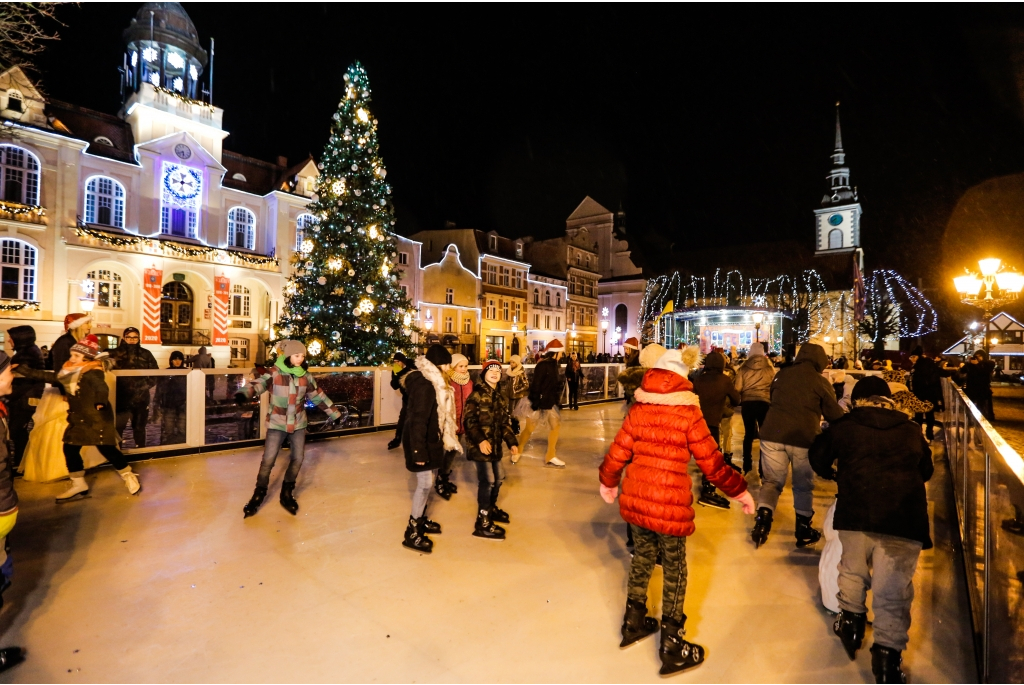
839	190
838	156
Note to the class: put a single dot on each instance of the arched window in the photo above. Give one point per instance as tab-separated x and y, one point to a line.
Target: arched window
241	228
558	299
106	288
104	202
17	271
302	225
547	298
20	170
536	296
835	239
621	317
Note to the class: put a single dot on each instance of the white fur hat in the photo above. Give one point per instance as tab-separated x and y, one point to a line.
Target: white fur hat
650	355
679	361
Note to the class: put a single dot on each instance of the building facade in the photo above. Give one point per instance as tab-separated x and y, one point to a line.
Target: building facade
546	318
449	309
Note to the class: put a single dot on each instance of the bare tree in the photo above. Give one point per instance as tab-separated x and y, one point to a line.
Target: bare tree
24	32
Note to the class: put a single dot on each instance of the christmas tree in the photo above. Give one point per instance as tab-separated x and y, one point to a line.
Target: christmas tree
343	300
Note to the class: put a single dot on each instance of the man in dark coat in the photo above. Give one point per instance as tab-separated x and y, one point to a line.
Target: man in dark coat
712	387
133	391
9	656
431	406
22	341
925	383
881	517
545	395
401	367
800	396
76	327
977	375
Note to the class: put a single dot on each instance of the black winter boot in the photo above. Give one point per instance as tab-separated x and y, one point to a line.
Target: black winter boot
441	486
885	664
710	498
805	535
762	526
394	443
498	515
636	624
485	528
676	653
416	538
850	629
254	503
10	657
287	501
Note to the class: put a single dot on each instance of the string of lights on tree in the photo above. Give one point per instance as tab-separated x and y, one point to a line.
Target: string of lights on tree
915	314
118	240
343	300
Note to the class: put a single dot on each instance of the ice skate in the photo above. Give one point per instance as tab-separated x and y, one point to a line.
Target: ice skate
805	535
710	498
287	499
850	629
76	491
676	653
253	505
131	481
487	529
762	526
636	624
885	665
416	538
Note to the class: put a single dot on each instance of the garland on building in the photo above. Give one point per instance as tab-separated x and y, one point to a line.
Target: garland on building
17	209
18	306
343	300
118	240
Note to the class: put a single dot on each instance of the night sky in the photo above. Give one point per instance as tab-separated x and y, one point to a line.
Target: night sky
708	125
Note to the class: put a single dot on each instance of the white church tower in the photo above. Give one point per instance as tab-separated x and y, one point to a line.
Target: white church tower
837	221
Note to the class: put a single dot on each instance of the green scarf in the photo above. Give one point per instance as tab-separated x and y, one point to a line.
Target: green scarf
296	371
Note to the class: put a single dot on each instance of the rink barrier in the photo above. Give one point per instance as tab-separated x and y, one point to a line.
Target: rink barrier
988	488
210	421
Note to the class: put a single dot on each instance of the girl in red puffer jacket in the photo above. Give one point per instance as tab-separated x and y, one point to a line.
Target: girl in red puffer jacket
663	429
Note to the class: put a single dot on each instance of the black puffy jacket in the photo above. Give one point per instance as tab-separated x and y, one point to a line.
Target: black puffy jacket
546	386
883	464
487	417
133	391
8	497
800	397
421	436
28	355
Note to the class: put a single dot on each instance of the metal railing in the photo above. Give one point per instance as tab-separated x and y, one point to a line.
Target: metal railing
191	410
988	486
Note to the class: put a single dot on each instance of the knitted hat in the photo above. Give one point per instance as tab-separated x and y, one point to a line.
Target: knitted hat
399	357
486	365
290	347
516	358
73	321
438	356
650	355
88	347
631	344
714	360
870	386
679	361
456	358
756	350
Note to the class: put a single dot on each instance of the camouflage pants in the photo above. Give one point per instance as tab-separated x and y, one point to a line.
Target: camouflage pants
647	544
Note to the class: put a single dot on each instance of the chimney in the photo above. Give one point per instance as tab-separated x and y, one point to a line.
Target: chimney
282	161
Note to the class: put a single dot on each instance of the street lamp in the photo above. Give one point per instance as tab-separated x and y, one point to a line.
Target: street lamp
991	289
758	317
604	328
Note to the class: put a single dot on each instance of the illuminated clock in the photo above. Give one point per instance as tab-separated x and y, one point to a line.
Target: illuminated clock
182	151
835	219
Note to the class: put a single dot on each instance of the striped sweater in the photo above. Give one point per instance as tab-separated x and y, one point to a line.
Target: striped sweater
288	396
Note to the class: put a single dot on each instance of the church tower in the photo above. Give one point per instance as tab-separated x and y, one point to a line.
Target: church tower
837	221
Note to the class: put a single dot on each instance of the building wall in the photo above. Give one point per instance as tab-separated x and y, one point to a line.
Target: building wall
437	279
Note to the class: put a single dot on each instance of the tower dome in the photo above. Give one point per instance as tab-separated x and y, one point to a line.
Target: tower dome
163	49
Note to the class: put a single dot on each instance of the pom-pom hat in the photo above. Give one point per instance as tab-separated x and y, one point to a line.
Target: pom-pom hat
489	363
679	361
88	347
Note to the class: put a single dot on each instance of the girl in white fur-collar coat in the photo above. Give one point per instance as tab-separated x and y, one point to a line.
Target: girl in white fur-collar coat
430	432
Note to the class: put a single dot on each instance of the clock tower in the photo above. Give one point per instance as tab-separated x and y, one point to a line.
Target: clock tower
837	221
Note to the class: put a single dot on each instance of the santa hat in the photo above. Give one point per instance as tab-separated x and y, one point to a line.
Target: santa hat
679	361
88	347
73	321
554	346
631	344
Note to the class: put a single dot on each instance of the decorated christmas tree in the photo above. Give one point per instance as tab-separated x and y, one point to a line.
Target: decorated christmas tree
343	300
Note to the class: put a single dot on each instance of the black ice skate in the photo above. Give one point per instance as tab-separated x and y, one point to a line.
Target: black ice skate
805	535
394	443
676	653
497	514
416	538
850	629
710	498
430	527
287	500
487	529
762	526
636	624
885	664
254	503
441	486
10	657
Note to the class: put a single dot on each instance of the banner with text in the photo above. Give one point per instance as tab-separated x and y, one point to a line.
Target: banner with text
221	297
151	294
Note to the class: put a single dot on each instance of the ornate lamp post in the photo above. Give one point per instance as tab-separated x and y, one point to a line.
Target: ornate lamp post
991	289
604	331
758	318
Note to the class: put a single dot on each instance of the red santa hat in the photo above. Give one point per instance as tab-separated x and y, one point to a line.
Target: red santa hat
73	321
554	346
631	344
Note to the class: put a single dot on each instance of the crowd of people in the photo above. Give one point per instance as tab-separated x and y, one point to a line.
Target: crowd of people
807	415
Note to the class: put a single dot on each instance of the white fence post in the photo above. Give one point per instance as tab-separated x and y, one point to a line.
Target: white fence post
195	414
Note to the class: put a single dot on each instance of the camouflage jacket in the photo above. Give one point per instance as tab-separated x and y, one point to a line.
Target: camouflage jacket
488	416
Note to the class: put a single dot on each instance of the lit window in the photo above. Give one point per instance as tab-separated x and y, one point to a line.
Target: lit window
519	249
106	288
242	228
239	177
302	225
104	202
17	271
504	310
449	296
449	324
239	349
239	301
493	243
20	170
178	84
558	323
175	60
536	296
103	140
467	326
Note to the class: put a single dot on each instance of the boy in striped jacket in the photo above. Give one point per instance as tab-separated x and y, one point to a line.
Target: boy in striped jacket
289	386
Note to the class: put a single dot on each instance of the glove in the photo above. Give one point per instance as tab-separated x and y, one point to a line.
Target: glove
241	399
609	494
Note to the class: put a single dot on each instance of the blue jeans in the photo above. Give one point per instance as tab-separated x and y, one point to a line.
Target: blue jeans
275	439
490	475
775	462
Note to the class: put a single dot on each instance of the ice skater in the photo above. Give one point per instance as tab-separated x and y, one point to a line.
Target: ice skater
290	386
9	656
544	395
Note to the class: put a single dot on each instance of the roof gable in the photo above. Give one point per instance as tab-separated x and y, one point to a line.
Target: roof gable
166	146
588	208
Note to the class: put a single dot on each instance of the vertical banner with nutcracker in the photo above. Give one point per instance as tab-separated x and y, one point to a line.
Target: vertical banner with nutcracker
152	290
221	296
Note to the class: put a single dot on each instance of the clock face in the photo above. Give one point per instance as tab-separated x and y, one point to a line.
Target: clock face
182	182
835	219
182	151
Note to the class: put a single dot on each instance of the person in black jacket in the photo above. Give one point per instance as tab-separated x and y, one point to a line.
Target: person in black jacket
713	388
573	377
76	327
431	406
133	391
171	399
9	656
401	367
21	340
977	375
545	393
925	383
881	516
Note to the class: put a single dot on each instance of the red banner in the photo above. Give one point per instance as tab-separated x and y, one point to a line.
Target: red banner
151	294
221	296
